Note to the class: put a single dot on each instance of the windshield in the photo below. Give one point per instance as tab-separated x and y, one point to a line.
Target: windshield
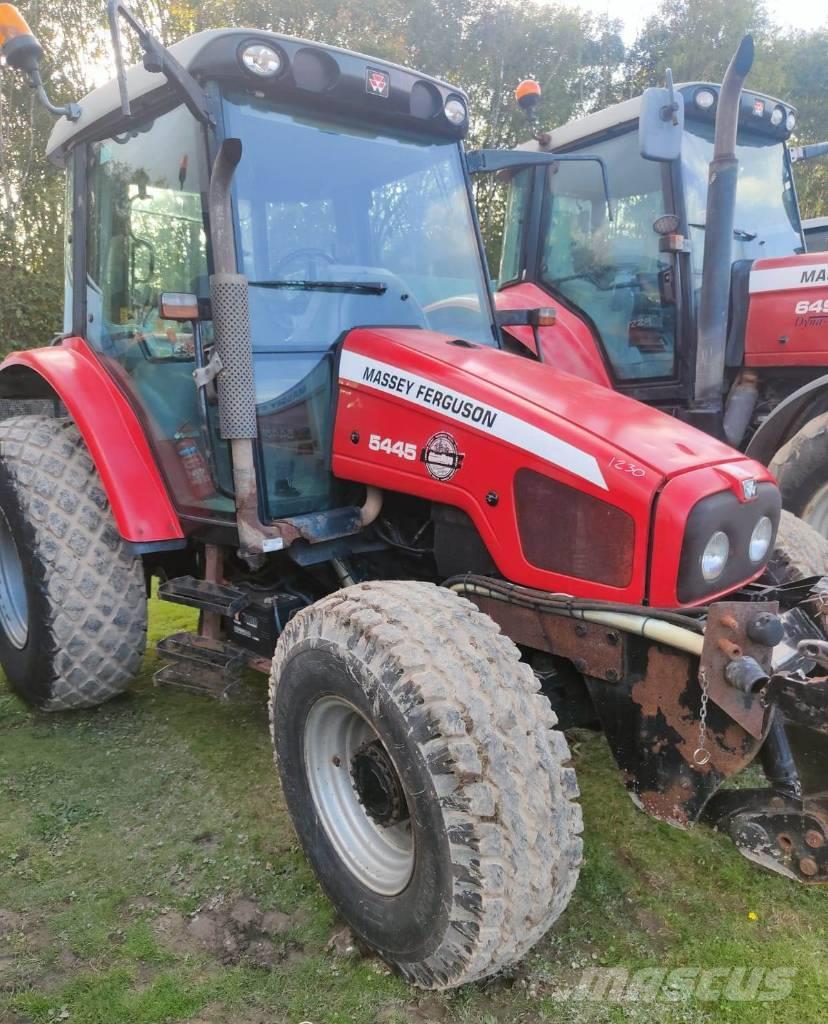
766	221
340	226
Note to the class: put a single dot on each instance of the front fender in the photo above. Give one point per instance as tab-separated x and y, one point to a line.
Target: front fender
116	440
787	418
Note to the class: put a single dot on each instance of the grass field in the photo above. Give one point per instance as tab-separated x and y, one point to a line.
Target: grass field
149	873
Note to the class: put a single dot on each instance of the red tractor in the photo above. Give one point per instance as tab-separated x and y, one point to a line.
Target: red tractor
701	301
283	392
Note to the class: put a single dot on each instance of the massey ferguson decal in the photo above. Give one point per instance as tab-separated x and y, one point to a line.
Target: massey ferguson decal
377	82
455	405
786	279
441	456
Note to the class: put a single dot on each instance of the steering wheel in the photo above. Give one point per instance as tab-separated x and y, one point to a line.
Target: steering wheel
299	303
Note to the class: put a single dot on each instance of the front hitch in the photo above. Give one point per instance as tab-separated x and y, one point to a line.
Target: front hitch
784	827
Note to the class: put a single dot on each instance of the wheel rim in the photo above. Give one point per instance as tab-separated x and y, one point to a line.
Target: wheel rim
355	787
815	512
14	604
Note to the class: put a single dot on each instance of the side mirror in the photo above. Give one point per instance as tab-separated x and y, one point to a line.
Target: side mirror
661	123
178	306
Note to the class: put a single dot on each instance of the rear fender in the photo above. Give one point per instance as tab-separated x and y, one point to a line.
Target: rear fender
787	418
116	440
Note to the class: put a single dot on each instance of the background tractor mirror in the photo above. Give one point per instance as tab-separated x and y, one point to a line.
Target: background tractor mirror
661	122
178	306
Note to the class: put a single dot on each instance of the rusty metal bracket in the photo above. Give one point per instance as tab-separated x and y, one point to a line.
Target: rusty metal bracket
801	701
726	639
594	650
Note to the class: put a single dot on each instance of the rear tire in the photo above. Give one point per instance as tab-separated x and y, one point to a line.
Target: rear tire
73	609
801	469
475	846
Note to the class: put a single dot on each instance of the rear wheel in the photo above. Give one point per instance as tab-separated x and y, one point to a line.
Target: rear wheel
801	469
423	776
73	610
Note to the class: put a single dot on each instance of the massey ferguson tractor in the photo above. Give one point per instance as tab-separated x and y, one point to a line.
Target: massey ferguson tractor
700	300
283	390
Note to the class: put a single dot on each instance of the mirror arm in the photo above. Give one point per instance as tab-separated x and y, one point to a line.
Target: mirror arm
157	58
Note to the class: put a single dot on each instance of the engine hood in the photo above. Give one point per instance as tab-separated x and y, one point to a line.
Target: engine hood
638	433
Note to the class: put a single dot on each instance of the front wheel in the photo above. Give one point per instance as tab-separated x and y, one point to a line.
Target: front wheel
424	778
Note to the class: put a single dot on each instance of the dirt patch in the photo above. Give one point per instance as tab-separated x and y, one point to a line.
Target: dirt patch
240	933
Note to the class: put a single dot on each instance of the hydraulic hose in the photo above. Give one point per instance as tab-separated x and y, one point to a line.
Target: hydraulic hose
670	628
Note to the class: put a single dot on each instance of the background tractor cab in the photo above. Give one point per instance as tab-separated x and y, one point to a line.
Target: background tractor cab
701	301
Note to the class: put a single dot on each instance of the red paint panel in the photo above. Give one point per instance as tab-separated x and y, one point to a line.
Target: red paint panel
568	345
115	438
384	434
787	324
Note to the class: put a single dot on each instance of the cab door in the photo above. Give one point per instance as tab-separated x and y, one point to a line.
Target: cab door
146	236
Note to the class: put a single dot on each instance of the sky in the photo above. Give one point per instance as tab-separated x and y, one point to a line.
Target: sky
801	14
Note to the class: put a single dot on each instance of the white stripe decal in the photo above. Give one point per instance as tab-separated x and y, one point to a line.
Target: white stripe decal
788	279
371	373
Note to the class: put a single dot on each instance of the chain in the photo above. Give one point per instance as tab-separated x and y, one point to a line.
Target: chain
701	755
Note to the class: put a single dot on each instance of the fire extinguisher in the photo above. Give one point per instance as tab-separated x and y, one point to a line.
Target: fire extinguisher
194	463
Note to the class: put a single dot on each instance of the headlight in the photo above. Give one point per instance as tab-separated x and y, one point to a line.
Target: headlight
705	98
455	110
790	122
714	556
777	116
760	539
263	61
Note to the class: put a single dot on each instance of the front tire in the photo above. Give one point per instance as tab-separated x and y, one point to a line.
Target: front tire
459	844
73	609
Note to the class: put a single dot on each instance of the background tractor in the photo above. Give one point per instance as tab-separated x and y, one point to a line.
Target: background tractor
700	301
284	392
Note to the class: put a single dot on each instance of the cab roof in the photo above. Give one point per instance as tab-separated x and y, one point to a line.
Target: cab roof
607	120
310	69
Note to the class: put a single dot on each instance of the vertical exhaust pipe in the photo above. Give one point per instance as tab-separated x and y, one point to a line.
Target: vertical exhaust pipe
719	223
237	388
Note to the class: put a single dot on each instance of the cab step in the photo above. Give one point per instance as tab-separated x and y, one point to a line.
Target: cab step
211	668
209	597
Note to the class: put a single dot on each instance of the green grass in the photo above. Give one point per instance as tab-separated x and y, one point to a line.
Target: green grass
119	824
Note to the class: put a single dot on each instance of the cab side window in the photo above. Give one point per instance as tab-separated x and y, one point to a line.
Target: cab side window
146	235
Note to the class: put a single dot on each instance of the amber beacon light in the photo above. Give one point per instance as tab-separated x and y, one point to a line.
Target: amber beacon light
17	44
528	95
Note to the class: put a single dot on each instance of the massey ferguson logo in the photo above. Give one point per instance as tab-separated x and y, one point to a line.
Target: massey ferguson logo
376	82
815	275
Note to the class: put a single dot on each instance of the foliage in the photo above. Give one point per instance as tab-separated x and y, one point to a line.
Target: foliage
487	46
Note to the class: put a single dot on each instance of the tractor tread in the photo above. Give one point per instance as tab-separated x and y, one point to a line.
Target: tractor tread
508	802
90	587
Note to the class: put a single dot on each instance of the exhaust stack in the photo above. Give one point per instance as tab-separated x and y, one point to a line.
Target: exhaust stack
719	224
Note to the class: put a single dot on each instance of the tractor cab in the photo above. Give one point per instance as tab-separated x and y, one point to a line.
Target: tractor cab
632	275
349	207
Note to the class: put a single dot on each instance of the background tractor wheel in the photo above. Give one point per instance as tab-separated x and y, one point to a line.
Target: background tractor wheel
73	608
800	551
424	778
801	469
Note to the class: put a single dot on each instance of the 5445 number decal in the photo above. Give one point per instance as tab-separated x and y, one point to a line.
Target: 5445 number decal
402	449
